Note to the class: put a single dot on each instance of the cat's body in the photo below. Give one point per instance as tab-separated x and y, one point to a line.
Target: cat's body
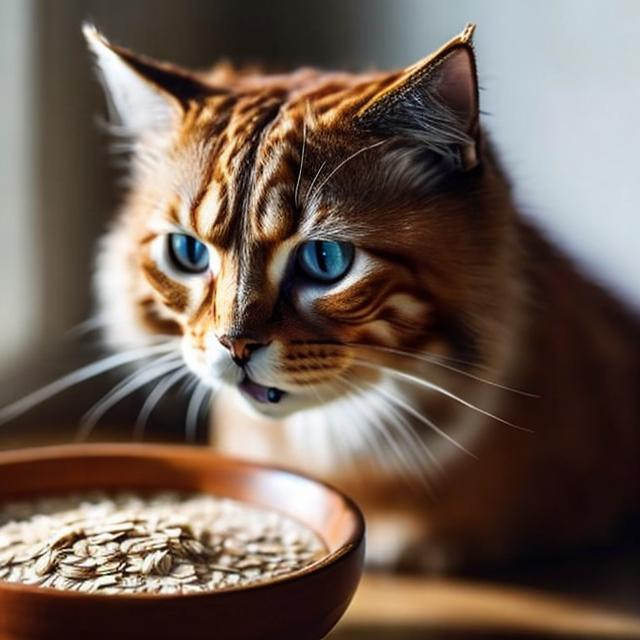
350	241
571	480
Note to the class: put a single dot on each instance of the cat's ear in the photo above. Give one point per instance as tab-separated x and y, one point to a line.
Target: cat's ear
434	102
144	96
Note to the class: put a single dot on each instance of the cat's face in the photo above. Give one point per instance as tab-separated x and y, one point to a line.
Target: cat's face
292	230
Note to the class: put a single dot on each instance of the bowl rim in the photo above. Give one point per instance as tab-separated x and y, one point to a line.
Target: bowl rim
353	544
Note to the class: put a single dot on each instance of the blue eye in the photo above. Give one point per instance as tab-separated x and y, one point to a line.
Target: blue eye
188	254
325	260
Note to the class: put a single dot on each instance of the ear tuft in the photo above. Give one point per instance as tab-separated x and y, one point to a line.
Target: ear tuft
138	104
91	33
433	102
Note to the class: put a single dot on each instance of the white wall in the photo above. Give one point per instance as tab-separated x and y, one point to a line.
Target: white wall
19	250
562	86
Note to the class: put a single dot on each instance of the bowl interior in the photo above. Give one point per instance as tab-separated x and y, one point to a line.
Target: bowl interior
50	470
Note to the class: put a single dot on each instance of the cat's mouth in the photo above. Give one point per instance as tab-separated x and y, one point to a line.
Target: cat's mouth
259	392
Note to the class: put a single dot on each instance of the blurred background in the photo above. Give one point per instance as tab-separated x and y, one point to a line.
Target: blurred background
561	89
560	93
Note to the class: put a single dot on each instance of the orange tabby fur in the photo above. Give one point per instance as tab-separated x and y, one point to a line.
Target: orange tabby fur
447	273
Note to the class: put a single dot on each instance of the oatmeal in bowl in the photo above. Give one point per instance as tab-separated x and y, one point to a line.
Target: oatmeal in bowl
165	542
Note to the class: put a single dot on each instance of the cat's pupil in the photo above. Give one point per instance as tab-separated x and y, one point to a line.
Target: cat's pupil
322	255
194	250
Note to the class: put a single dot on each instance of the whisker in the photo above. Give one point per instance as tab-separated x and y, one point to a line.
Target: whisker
152	364
424	357
406	429
315	177
130	384
374	420
371	443
412	464
338	439
353	436
86	326
78	376
199	396
436	356
153	399
355	154
369	415
188	385
438	389
304	145
429	423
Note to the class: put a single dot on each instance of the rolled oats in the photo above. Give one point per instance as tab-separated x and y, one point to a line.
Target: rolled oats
166	543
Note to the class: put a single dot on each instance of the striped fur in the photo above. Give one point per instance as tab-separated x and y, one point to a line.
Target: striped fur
445	287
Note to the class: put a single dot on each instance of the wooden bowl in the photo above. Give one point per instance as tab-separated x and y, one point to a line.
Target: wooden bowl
302	606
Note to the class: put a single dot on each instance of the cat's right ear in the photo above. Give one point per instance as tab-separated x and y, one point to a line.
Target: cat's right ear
144	96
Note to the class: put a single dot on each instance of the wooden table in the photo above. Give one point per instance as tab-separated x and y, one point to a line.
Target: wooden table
405	608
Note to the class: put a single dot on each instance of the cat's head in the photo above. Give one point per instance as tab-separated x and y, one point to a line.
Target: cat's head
293	230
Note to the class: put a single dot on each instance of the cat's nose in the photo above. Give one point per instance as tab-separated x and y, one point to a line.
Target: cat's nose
240	348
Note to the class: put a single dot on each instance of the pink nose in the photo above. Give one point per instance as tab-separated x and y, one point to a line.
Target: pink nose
240	348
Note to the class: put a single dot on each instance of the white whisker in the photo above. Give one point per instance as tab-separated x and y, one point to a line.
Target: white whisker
87	326
315	177
437	361
416	414
412	466
374	421
188	385
438	389
366	435
349	443
199	396
403	426
154	398
78	376
355	154
304	145
130	384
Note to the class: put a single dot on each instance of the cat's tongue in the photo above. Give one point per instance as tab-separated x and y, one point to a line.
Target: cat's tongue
260	393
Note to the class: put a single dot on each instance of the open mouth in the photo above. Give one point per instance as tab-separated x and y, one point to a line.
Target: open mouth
259	392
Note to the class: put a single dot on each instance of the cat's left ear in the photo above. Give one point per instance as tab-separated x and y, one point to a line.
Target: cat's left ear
144	96
434	102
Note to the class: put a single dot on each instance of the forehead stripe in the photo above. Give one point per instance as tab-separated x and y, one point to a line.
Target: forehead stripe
201	195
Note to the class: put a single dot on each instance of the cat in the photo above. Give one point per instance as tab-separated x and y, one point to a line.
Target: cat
340	256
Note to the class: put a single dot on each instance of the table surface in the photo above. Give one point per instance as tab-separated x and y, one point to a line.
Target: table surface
593	594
